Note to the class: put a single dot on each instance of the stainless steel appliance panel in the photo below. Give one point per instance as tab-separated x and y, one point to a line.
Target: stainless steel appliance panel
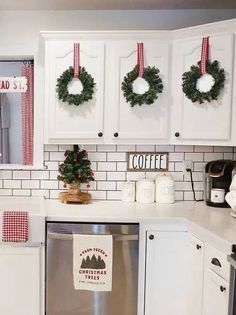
63	299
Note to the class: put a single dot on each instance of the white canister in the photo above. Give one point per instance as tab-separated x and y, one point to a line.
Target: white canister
145	191
128	192
217	195
165	189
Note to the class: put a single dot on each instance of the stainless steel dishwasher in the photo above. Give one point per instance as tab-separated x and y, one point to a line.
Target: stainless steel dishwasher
63	299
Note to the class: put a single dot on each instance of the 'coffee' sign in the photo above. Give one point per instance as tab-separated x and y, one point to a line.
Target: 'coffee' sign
147	161
13	84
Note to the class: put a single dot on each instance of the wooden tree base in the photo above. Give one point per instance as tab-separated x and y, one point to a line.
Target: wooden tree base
80	197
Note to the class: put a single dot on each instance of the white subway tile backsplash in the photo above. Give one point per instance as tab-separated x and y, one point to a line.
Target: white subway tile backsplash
199	166
106	166
116	157
188	195
165	148
64	147
203	148
213	156
57	156
135	175
110	170
51	147
40	174
21	192
113	195
46	156
99	195
175	157
51	165
103	185
121	166
116	175
125	147
184	148
223	149
5	174
40	193
100	175
27	184
106	148
21	174
145	148
195	157
54	194
49	184
7	183
5	192
53	175
228	156
97	156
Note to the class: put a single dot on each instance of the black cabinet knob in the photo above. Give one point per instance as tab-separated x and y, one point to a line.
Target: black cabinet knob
151	236
198	246
116	134
222	289
216	262
177	134
100	134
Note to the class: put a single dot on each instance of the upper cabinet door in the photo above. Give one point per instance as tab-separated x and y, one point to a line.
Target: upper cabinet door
145	123
70	123
208	122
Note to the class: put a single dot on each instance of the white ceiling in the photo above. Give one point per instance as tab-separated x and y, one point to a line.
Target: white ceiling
115	4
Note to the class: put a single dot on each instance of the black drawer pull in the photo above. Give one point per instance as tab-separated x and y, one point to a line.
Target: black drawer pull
222	289
177	134
151	236
100	134
116	134
216	262
198	246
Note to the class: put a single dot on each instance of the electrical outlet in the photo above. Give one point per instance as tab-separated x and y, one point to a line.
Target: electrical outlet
187	164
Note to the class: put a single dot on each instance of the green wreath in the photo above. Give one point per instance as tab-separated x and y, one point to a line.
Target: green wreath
190	80
155	86
75	99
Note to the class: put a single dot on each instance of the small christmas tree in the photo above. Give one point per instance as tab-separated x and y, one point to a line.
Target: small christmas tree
76	167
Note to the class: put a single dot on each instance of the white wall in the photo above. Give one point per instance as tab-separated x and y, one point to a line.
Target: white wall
19	29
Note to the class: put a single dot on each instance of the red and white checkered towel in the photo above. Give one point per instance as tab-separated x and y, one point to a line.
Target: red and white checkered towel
15	226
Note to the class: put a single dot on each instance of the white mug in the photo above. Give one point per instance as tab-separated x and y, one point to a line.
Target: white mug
217	195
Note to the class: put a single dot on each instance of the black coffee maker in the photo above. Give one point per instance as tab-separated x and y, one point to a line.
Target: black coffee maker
218	177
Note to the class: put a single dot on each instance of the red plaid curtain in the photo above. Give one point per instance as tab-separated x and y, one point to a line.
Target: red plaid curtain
27	115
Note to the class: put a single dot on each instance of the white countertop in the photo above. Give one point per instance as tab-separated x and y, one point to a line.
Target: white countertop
215	224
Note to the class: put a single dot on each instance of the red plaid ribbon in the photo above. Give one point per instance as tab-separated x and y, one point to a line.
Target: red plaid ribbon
27	101
140	59
15	226
76	59
204	54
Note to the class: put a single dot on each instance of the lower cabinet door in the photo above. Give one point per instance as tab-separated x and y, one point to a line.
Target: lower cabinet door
216	294
166	289
19	280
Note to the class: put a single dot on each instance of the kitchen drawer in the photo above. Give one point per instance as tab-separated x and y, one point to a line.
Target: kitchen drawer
217	262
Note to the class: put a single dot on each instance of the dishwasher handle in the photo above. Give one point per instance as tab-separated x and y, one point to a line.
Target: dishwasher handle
69	237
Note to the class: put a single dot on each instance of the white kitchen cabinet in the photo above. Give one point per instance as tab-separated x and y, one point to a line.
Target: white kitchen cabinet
207	123
174	274
107	118
145	123
195	267
166	277
216	282
216	294
66	123
20	285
